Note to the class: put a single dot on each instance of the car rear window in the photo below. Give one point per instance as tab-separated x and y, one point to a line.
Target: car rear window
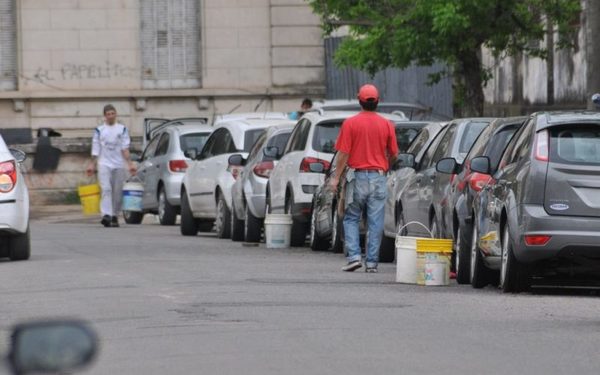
405	136
250	138
325	135
469	136
580	145
193	140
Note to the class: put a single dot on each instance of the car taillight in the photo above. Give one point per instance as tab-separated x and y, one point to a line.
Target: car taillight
264	169
478	180
8	176
541	146
306	162
536	240
177	165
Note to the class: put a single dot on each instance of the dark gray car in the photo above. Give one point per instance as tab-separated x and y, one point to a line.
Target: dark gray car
421	199
542	214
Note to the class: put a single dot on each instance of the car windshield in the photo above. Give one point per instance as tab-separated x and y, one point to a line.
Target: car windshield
250	138
193	141
580	145
469	136
325	136
498	144
279	141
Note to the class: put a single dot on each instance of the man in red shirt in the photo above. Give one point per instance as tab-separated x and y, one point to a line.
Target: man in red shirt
367	146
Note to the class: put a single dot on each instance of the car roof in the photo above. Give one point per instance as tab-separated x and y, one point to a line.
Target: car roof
550	119
187	129
316	117
501	122
239	127
251	116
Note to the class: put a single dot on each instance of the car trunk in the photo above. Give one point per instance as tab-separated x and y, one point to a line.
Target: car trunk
573	176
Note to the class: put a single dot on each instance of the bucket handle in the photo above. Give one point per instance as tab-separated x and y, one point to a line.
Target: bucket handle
135	178
417	223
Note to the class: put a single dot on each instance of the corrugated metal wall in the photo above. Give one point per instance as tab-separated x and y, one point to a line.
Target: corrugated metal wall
395	85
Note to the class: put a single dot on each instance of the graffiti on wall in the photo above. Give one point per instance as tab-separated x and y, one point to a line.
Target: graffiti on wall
71	71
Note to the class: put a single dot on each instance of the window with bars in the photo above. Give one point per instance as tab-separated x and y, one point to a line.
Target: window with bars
170	41
8	45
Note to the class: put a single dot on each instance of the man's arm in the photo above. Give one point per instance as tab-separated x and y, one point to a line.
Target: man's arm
340	165
92	166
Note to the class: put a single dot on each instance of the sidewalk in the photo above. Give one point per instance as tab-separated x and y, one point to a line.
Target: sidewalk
71	213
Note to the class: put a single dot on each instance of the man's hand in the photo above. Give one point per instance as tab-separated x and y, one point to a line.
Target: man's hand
334	181
91	169
132	168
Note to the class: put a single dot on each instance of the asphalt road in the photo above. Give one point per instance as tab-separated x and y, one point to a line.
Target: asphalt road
165	304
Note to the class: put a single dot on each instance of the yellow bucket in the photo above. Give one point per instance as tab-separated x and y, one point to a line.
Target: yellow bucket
89	195
433	261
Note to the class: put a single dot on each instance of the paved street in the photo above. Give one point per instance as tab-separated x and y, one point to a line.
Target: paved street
165	304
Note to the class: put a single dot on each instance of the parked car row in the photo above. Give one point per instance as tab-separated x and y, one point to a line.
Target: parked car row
519	196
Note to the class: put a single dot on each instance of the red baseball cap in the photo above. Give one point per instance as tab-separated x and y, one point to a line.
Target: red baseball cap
367	92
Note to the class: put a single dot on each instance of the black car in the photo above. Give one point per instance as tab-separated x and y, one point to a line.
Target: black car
466	185
326	225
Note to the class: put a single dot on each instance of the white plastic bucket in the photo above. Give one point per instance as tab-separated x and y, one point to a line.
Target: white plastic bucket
437	273
406	260
278	231
132	196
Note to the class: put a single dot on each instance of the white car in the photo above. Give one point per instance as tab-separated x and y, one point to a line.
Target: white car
206	186
14	205
300	171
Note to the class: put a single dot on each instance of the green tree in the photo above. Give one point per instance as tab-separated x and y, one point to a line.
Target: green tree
398	33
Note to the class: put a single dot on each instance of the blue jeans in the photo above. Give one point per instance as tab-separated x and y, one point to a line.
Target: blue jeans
369	193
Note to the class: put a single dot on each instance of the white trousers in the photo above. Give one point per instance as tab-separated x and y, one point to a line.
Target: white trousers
111	183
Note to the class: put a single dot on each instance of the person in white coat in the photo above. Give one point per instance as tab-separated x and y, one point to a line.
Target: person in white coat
111	160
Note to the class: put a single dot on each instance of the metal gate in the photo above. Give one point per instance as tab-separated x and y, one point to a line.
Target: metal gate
395	85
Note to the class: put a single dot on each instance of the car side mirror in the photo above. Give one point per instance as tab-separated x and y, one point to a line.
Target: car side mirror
52	347
237	160
271	152
191	153
481	164
447	166
316	167
19	155
404	161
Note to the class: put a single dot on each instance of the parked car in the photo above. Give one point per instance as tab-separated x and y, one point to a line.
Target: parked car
466	185
542	213
325	225
398	177
15	242
249	191
412	111
421	198
206	186
162	167
294	180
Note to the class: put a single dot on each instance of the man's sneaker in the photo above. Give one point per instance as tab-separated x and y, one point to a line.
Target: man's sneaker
105	221
371	270
352	266
114	222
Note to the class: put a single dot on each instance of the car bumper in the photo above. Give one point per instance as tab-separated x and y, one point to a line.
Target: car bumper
255	190
570	236
14	215
173	188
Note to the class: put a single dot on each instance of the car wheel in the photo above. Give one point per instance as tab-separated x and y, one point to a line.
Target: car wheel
514	276
223	221
167	214
252	227
479	274
337	232
298	237
237	225
133	217
317	243
463	258
189	224
20	246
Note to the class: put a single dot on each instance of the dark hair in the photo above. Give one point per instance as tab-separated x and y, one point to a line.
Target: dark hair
109	107
370	105
307	102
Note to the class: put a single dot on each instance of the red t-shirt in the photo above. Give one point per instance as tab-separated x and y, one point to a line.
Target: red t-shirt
369	139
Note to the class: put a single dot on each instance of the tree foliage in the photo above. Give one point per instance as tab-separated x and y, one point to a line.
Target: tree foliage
398	33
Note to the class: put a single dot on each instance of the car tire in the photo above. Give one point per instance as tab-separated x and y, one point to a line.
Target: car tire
133	217
20	246
337	232
167	214
237	225
317	243
462	252
223	221
479	274
298	237
252	227
514	276
189	224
